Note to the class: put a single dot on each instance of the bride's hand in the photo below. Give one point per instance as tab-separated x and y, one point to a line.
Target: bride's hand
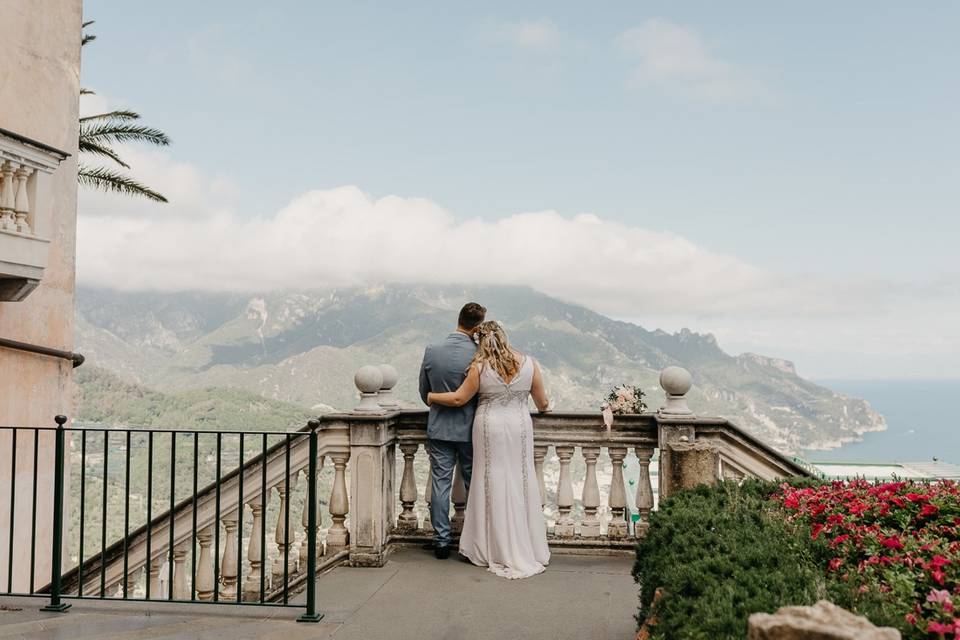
430	399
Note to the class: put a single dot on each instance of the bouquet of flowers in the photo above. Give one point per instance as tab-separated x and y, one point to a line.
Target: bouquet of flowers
625	399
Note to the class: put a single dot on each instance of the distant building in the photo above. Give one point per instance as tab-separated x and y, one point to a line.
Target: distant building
933	470
39	94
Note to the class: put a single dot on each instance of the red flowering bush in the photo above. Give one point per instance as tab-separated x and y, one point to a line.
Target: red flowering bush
890	550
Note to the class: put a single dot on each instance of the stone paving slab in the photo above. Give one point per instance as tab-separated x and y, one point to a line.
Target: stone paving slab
413	597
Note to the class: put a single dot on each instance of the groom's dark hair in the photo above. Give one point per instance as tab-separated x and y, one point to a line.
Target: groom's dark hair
471	315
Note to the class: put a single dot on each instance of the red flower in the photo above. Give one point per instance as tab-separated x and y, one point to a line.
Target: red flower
893	542
918	497
940	627
817	528
835	564
839	540
929	510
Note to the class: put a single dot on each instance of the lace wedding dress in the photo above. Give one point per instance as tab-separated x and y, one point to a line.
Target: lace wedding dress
504	527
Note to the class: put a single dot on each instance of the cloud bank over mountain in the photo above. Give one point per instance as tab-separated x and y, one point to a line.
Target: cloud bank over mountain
346	237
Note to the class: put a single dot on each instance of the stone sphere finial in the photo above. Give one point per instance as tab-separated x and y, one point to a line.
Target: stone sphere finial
390	377
676	382
368	379
386	397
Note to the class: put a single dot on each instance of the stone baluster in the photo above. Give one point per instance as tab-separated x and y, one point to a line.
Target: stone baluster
539	454
564	527
305	518
618	497
281	533
131	584
228	563
251	586
204	578
407	521
21	203
590	527
428	493
338	536
7	194
644	488
180	589
458	495
154	578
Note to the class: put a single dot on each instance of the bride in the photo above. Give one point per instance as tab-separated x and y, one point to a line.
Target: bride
504	528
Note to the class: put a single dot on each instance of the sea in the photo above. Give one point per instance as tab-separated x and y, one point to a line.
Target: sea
922	421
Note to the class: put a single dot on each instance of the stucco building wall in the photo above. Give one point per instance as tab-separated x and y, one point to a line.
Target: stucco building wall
39	92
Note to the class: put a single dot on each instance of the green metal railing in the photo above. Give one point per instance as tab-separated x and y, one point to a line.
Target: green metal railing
88	440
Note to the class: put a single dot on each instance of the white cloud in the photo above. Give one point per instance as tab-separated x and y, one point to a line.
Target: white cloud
675	57
346	237
343	237
540	35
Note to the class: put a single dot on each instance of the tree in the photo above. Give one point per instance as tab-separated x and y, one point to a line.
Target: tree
98	136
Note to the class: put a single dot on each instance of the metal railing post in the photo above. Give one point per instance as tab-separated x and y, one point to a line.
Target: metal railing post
311	614
56	560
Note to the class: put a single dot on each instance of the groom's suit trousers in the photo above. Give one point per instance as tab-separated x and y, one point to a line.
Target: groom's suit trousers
443	460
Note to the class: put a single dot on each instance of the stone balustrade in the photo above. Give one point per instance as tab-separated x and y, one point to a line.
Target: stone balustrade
214	546
235	548
25	219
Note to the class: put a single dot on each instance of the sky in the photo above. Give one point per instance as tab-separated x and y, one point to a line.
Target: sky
786	177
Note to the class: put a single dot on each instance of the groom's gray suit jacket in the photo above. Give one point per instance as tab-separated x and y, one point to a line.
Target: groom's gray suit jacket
444	368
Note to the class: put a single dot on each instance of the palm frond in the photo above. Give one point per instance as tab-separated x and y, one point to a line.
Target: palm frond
112	131
107	180
87	38
89	146
86	92
122	114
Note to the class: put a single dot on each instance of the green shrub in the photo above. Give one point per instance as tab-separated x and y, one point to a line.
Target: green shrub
718	554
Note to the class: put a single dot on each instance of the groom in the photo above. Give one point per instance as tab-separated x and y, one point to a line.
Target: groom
449	429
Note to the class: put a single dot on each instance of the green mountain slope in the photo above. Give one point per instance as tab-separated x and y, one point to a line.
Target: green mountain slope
303	347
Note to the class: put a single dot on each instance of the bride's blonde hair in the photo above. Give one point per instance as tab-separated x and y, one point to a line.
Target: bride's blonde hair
493	349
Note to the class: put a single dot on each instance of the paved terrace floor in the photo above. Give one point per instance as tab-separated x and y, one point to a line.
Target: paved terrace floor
413	597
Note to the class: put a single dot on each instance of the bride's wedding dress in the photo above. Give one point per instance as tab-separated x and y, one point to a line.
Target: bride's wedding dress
504	527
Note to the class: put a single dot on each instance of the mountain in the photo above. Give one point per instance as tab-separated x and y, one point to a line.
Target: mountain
106	399
303	347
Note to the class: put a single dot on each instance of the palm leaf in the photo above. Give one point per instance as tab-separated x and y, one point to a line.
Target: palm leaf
89	146
86	92
87	37
111	131
107	180
122	114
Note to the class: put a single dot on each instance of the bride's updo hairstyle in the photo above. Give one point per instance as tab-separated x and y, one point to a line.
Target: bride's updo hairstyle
493	349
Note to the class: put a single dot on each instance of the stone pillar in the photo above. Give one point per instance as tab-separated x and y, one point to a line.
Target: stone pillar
372	453
675	421
690	464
